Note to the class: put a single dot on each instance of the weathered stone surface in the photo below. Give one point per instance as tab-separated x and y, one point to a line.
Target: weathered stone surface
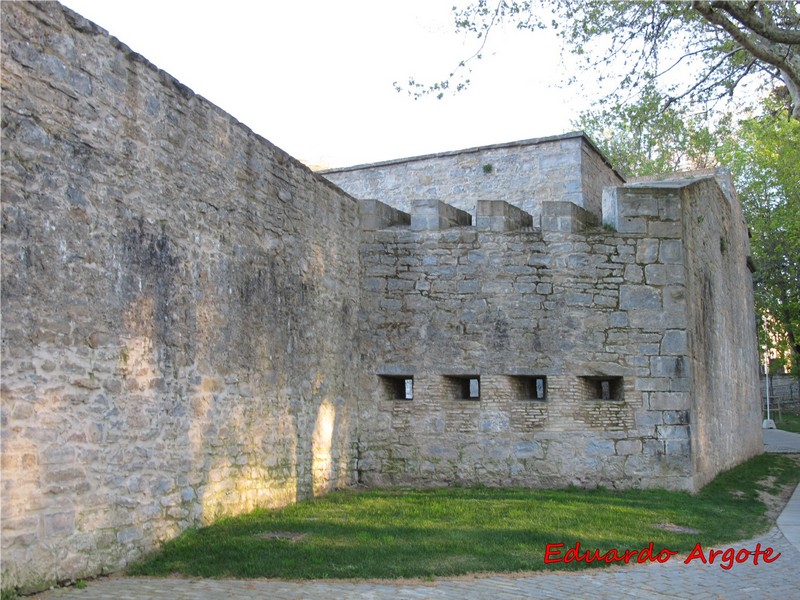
194	324
566	306
526	174
179	303
497	215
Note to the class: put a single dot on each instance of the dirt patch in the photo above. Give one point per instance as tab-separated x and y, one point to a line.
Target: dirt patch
676	528
292	536
776	500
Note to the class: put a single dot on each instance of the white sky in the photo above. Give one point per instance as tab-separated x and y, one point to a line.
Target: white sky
315	76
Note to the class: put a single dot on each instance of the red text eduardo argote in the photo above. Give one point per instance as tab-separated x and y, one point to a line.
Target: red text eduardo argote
726	559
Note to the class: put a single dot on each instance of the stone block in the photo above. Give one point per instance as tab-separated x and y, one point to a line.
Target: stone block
674	342
548	162
496	215
649	417
599	447
668	401
671	252
656	274
59	524
430	214
626	447
669	207
374	284
672	432
57	455
638	297
638	465
633	203
664	229
634	274
618	319
647	251
528	450
468	286
609	208
676	417
129	535
653	447
668	366
559	215
374	215
678	447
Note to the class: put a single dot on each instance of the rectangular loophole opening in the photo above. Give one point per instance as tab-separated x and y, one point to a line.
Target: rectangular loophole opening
466	387
531	387
603	388
398	387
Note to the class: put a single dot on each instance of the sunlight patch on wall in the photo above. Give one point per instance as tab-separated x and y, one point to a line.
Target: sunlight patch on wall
321	448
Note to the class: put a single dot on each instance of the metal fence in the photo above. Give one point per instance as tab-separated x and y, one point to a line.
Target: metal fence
784	394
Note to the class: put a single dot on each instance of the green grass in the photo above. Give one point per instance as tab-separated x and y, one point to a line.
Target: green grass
392	533
788	422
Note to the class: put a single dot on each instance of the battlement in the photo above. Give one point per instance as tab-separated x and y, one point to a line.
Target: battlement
497	215
433	214
195	324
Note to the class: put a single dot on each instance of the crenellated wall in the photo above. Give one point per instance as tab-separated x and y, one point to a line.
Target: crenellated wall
509	307
194	324
178	302
645	305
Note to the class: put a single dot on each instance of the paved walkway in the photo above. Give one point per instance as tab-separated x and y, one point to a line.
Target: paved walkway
672	579
779	441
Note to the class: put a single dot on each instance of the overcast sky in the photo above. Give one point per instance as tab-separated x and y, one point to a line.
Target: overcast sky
316	77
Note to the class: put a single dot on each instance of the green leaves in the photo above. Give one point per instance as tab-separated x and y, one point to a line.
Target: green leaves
650	136
654	136
764	157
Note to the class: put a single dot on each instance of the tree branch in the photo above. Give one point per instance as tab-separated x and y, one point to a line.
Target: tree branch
756	48
749	19
703	79
761	48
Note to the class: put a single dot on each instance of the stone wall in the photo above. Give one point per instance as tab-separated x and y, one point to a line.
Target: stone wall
194	324
603	320
722	336
524	174
179	300
508	308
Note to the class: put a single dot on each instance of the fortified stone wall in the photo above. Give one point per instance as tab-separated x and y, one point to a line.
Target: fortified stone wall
525	174
712	243
568	355
569	312
179	300
723	342
195	324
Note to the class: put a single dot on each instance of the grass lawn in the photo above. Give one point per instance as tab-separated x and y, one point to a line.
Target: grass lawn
391	533
788	422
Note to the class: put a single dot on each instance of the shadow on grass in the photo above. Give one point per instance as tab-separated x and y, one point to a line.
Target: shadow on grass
391	533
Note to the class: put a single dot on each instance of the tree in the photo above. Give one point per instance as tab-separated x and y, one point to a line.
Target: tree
695	51
764	156
763	153
647	138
